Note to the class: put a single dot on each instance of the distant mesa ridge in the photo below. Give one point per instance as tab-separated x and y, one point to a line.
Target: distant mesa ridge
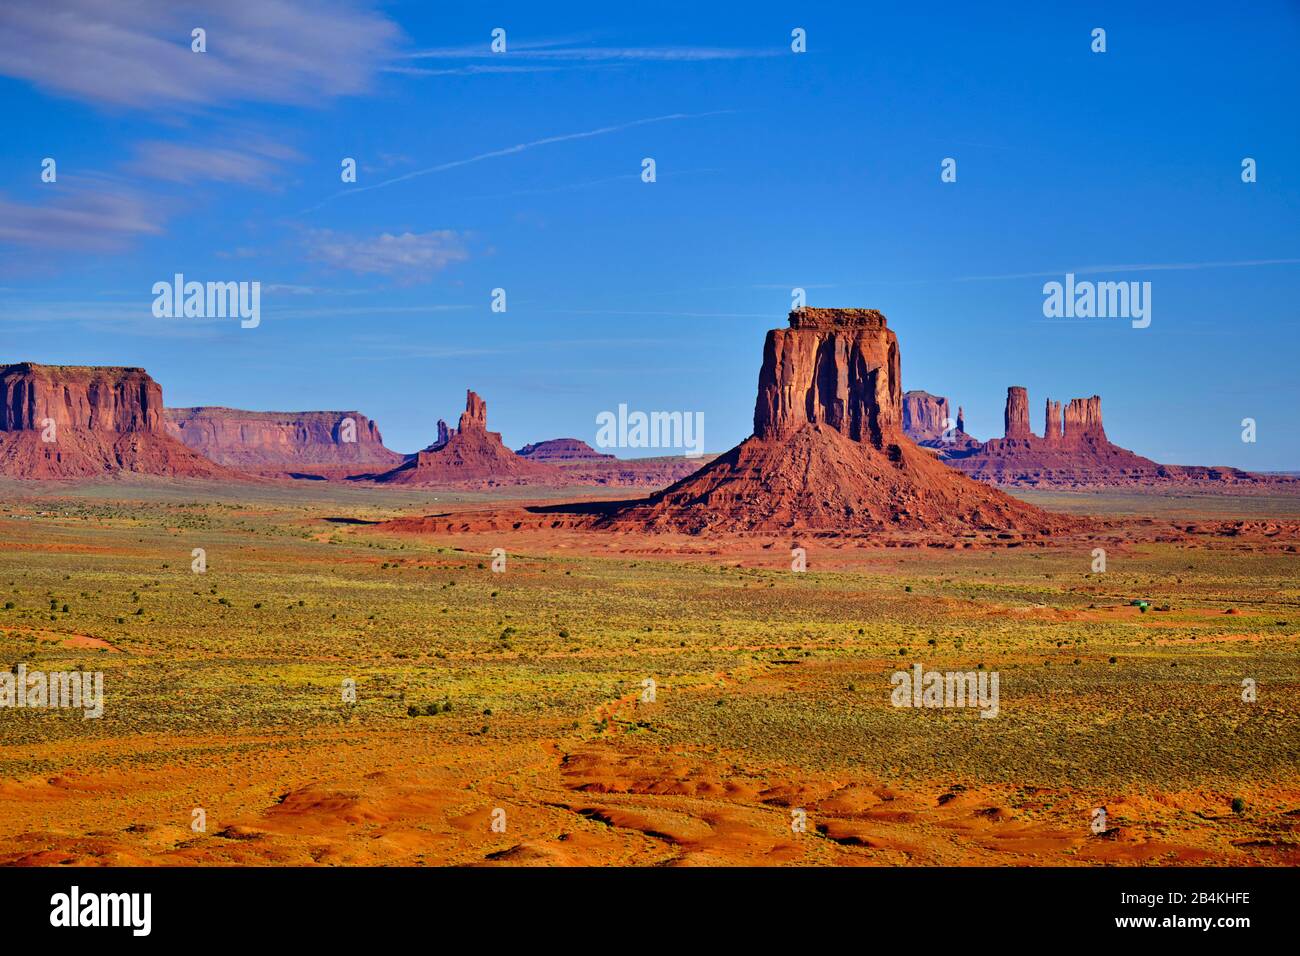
829	406
563	449
275	440
584	465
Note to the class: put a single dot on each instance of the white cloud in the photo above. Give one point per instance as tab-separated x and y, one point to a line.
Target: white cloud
101	220
136	53
408	257
253	164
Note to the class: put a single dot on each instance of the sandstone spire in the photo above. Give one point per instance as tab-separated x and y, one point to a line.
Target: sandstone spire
1016	417
1052	432
470	453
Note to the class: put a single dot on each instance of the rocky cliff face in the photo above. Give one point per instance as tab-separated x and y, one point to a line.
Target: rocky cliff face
925	416
91	398
1083	420
828	451
78	421
925	421
837	367
280	440
470	455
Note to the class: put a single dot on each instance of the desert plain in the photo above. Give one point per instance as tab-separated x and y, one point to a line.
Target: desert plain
501	717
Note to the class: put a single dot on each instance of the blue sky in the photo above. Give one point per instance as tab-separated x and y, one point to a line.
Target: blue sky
774	169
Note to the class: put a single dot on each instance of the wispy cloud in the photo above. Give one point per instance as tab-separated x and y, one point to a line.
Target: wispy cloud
408	257
136	53
515	149
252	165
103	219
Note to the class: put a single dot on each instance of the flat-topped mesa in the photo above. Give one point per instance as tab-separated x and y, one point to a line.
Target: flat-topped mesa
94	398
832	319
82	421
1083	420
925	416
1016	416
563	449
273	440
832	367
1052	431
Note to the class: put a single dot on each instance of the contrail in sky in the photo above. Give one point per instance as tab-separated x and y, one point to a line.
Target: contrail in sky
511	150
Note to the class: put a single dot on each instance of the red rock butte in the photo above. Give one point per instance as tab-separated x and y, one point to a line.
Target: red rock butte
79	421
828	451
470	454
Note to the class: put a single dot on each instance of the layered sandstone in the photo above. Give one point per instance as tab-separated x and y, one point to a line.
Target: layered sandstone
837	367
1083	420
925	416
470	455
828	452
281	441
78	421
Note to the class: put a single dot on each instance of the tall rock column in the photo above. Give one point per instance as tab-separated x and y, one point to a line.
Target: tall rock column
1016	417
1052	432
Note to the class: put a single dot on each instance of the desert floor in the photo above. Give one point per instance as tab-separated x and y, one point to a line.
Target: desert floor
522	691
